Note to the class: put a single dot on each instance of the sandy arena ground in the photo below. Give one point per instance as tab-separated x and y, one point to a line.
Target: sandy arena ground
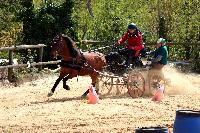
27	108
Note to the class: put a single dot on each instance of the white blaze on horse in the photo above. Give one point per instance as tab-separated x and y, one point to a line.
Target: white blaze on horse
74	62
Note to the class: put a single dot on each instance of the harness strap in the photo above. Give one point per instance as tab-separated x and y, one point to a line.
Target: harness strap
77	63
71	64
76	66
75	60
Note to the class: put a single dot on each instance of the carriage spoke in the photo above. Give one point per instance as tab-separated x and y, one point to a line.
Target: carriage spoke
136	84
105	85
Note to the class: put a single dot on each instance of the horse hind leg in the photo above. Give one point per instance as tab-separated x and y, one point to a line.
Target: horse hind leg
54	86
65	86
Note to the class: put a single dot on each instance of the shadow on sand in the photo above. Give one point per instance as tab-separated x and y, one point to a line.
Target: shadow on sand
105	96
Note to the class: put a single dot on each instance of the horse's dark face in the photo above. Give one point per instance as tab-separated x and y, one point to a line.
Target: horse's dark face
56	46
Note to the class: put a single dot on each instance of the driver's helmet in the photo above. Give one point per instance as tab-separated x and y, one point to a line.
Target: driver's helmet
132	26
162	40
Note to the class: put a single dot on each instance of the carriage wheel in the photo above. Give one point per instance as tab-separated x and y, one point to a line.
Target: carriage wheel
156	78
135	84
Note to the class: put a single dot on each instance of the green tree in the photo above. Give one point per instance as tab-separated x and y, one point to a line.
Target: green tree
42	24
28	19
9	29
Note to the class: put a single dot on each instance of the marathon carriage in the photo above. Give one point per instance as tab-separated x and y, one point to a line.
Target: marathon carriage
105	70
118	76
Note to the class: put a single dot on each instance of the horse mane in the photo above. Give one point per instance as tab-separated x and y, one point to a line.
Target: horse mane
70	44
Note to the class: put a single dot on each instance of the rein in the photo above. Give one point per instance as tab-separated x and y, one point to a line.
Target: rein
101	48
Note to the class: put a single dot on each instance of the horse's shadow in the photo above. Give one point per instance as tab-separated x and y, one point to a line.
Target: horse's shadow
117	96
54	100
64	99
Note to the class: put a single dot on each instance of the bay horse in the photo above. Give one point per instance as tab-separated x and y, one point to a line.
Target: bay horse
74	62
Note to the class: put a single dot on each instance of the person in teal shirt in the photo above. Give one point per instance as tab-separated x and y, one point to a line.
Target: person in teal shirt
160	55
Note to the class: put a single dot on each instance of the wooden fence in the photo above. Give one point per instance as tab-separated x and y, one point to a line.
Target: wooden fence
10	65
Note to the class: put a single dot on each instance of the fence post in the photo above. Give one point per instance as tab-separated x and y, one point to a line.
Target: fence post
40	57
10	70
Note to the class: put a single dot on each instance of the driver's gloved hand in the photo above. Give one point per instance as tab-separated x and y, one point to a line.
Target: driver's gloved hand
115	46
150	53
149	59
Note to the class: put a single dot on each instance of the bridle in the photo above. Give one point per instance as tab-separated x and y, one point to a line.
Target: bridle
58	41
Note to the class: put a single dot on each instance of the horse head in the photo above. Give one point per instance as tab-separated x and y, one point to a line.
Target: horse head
56	46
63	46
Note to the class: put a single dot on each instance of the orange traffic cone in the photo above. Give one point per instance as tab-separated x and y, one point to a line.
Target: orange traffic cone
93	97
159	95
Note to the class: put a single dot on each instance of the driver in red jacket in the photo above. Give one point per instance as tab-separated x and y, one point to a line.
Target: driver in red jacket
135	42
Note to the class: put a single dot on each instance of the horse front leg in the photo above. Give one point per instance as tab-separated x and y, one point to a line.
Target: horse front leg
54	86
65	86
95	83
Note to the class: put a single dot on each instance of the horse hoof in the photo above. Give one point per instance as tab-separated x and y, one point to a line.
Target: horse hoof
84	97
50	94
66	87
